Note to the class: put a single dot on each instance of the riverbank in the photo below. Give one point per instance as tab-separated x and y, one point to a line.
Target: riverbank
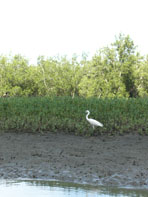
114	161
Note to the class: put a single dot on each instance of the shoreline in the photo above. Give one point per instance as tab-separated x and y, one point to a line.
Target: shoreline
109	161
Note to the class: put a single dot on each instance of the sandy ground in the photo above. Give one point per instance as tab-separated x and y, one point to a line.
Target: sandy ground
118	161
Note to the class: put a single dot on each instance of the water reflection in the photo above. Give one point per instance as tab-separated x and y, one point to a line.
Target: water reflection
57	189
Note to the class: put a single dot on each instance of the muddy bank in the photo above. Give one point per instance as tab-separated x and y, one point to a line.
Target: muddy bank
120	161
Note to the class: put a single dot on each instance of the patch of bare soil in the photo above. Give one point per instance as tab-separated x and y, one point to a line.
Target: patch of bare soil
117	161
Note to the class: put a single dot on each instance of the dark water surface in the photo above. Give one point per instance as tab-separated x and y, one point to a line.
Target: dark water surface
31	188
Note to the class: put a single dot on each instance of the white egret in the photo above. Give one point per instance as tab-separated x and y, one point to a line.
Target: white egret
94	123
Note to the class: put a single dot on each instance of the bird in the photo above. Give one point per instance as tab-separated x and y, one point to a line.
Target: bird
94	123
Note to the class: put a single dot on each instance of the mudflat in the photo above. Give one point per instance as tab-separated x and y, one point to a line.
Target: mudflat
114	161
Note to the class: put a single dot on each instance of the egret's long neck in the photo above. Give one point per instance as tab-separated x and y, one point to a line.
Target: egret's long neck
87	115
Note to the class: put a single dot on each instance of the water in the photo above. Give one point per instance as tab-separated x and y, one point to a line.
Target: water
58	189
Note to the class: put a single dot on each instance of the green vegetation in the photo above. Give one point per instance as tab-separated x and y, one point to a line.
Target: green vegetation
114	71
54	94
66	114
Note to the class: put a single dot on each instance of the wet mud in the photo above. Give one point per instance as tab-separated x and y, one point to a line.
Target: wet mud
113	161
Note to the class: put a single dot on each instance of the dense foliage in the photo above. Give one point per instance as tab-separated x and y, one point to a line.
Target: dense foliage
114	71
67	114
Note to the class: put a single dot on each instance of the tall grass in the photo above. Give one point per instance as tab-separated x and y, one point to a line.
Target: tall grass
64	114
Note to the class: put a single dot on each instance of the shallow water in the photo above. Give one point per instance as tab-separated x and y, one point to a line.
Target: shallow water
31	188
